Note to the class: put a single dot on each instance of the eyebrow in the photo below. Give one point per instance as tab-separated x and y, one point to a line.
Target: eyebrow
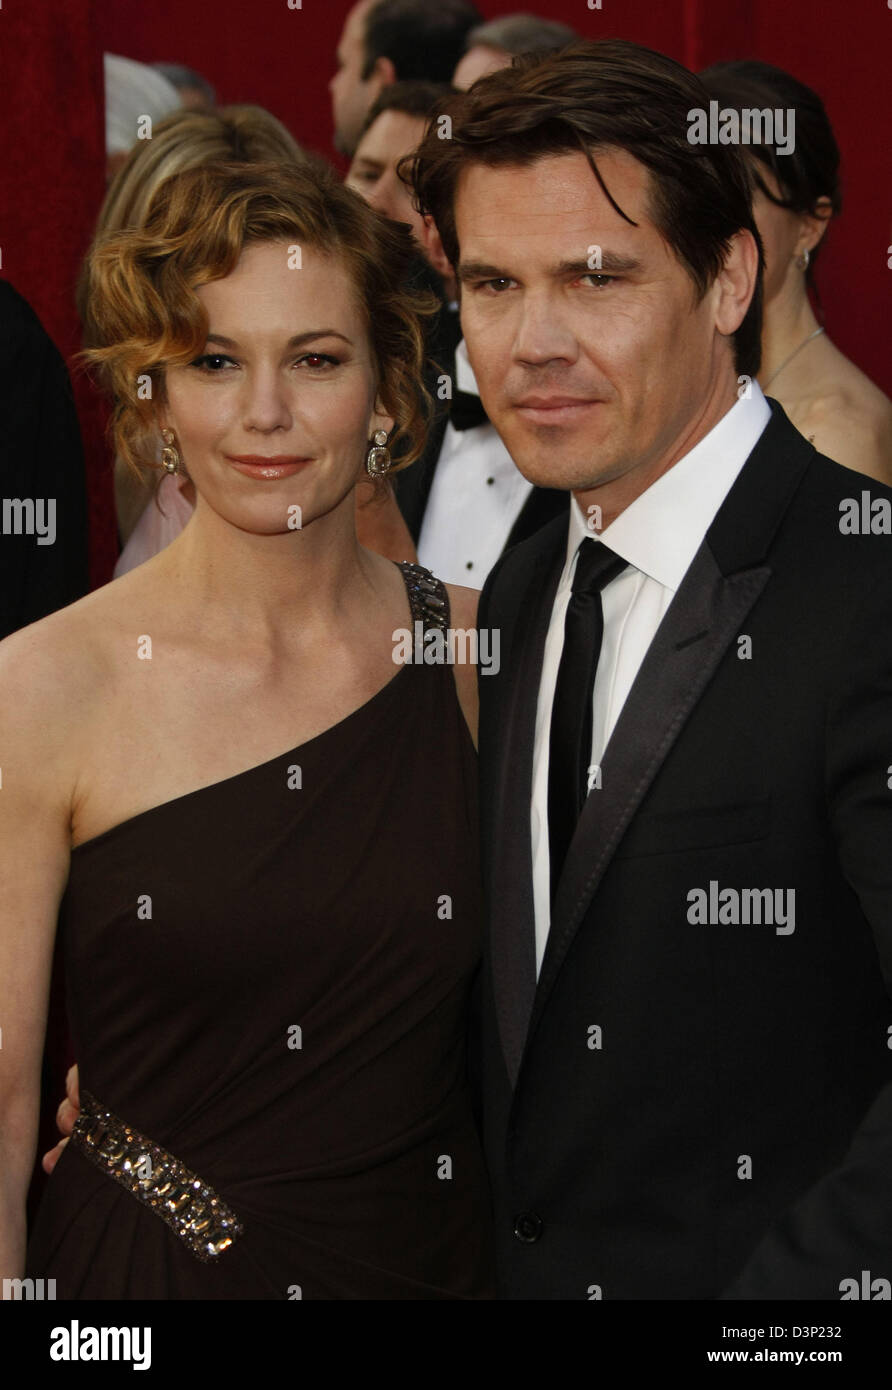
297	341
611	263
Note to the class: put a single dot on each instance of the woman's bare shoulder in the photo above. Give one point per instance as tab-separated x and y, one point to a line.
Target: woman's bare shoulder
52	669
851	422
462	605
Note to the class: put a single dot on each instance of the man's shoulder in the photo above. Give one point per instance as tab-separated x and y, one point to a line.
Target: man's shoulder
794	508
517	565
846	514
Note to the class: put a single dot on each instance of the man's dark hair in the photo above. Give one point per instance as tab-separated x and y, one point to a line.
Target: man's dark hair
605	95
522	33
424	39
812	170
421	99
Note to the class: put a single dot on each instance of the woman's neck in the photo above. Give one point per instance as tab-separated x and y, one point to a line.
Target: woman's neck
255	588
787	322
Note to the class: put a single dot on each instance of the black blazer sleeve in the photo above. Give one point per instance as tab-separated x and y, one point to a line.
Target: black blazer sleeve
842	1226
42	457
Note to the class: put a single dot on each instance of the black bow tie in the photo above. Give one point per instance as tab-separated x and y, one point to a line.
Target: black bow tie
466	411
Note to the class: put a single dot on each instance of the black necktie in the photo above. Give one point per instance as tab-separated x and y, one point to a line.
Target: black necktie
466	410
570	746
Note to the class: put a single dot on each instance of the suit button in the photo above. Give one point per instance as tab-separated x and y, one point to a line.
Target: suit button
528	1227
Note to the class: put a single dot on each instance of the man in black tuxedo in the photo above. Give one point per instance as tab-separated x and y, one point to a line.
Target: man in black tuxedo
685	756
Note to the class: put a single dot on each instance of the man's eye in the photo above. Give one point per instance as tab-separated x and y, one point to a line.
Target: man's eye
600	281
208	361
498	284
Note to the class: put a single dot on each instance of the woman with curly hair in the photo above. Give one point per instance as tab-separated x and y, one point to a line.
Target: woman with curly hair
254	831
152	506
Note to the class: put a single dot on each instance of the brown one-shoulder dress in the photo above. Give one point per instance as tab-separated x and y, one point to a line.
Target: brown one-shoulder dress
268	985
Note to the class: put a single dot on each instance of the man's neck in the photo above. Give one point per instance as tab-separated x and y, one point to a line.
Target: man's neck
613	496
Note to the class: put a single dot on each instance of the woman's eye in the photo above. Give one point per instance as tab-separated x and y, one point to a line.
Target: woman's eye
315	360
208	362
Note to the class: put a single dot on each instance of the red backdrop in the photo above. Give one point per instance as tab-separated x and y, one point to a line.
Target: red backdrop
263	51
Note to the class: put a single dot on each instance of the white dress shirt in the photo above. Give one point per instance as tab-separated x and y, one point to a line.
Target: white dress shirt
476	496
658	534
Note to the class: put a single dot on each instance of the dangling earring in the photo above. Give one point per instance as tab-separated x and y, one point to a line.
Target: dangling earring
170	454
378	460
803	259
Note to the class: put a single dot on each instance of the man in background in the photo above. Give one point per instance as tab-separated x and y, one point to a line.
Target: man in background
493	45
196	93
386	41
393	128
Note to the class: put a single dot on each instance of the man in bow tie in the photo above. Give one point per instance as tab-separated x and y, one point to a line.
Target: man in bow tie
686	1068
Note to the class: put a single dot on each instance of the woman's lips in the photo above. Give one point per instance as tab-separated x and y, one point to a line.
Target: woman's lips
270	466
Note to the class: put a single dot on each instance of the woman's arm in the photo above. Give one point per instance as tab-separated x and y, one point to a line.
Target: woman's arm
463	618
34	854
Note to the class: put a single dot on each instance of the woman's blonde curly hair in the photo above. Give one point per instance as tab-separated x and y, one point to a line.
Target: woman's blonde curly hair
142	315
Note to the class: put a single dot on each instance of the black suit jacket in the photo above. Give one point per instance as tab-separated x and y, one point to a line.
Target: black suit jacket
40	457
728	1132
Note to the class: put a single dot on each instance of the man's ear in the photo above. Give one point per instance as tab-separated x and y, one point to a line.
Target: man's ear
383	74
433	247
736	282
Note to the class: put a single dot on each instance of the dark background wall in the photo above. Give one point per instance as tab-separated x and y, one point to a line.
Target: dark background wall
262	51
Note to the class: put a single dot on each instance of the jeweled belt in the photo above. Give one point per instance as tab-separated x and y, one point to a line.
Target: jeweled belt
192	1209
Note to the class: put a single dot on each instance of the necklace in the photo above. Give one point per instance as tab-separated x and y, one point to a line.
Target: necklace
783	364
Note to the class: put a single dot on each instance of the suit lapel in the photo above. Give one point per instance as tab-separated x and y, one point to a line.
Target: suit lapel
513	936
700	623
722	584
542	505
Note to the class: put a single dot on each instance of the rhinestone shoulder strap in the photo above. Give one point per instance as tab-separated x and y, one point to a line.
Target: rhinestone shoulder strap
428	598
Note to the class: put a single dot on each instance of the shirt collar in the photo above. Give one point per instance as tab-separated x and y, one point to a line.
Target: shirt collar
662	530
465	379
